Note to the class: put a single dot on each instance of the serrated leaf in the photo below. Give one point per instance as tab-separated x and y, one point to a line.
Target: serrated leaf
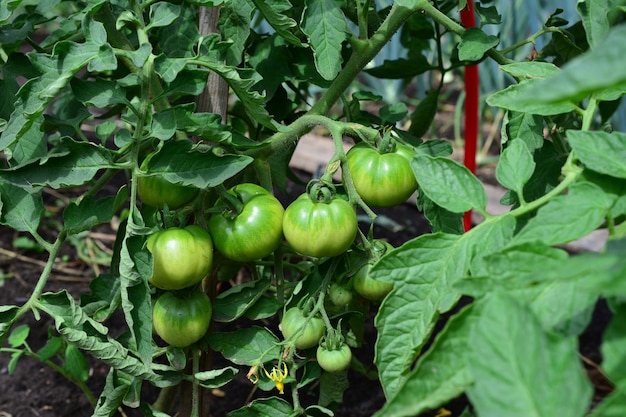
594	15
515	97
448	184
116	387
21	207
600	151
524	126
520	371
249	346
332	387
178	163
162	14
515	166
324	24
475	43
51	348
567	217
7	318
233	303
99	93
440	374
273	12
88	213
401	68
234	25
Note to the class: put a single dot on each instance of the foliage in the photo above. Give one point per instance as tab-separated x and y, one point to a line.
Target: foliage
91	89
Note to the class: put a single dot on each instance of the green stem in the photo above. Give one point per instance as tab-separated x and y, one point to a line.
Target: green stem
195	388
530	39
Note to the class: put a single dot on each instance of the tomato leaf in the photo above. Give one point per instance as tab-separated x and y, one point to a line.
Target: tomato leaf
515	166
216	378
332	387
52	346
511	354
274	14
600	151
234	302
614	347
249	346
475	43
324	24
19	335
75	363
265	407
448	184
440	374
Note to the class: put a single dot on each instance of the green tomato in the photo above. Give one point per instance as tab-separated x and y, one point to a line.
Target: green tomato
307	333
334	360
339	295
382	179
182	321
368	287
156	191
181	257
316	228
255	232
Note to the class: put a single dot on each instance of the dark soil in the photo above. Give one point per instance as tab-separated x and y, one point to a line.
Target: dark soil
34	389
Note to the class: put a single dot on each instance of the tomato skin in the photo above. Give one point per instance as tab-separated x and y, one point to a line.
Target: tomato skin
339	295
156	191
181	257
255	232
368	287
293	320
382	179
334	360
182	321
316	228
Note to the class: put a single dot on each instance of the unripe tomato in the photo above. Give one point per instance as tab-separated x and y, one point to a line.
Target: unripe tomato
382	179
308	333
368	287
317	228
255	232
156	191
334	360
339	295
182	321
181	257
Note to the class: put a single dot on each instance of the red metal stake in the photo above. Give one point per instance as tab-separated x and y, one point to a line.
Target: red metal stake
471	108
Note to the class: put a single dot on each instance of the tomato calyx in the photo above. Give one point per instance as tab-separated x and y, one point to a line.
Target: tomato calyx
233	203
321	191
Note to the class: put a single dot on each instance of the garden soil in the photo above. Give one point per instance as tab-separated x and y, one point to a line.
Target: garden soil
34	389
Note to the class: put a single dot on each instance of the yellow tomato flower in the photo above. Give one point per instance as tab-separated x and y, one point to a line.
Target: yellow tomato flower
278	377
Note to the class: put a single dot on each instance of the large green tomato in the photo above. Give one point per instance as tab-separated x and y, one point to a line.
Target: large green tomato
307	333
182	321
369	287
181	257
317	228
255	232
382	179
156	191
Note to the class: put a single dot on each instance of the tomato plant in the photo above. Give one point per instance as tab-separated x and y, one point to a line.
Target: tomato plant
305	331
334	360
320	228
220	94
181	257
182	321
252	233
382	179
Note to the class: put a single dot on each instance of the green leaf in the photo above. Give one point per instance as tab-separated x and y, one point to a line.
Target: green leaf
440	374
15	357
73	163
249	346
7	318
401	68
265	407
162	14
567	217
75	363
88	213
516	98
51	348
390	114
519	370
21	207
600	151
424	114
99	93
448	184
234	302
216	378
273	12
594	15
234	25
178	163
614	346
332	387
530	69
116	387
524	126
475	43
324	24
515	166
19	335
592	72
613	405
